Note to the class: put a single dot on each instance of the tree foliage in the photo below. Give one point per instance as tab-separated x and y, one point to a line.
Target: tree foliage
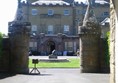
107	44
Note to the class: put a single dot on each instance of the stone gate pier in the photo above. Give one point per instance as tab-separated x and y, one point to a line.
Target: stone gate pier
19	36
89	34
89	48
19	41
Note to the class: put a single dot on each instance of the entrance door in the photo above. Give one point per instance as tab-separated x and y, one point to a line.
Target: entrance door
51	46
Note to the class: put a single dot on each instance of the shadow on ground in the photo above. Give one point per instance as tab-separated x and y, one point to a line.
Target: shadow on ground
6	75
36	74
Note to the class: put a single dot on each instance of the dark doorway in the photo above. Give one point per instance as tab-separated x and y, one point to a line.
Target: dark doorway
51	46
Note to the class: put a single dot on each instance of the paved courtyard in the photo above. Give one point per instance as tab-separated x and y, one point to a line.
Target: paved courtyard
47	57
57	75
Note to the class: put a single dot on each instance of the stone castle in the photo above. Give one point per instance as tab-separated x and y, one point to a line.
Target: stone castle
16	49
54	23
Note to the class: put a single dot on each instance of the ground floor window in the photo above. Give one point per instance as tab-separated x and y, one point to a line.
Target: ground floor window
33	45
70	46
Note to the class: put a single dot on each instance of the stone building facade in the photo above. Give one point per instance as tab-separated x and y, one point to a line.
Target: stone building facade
55	23
105	27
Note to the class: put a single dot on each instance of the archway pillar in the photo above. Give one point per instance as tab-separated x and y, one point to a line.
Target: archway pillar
89	34
19	46
89	48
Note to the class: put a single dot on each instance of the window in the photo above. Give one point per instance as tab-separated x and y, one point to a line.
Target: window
78	12
83	11
34	28
50	12
106	14
30	44
33	45
50	29
66	29
66	12
66	44
69	46
34	12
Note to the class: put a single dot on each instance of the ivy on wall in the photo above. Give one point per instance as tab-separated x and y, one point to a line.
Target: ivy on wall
107	44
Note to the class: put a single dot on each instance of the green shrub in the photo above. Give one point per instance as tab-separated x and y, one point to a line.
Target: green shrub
107	43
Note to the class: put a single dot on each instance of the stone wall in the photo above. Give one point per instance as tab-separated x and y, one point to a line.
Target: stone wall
5	57
15	49
112	42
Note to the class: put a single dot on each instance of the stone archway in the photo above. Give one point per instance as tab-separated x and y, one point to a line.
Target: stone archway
51	46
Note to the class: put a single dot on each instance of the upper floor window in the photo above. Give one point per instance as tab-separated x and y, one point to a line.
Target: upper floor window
50	12
50	29
78	11
83	11
66	12
66	29
106	13
34	11
34	28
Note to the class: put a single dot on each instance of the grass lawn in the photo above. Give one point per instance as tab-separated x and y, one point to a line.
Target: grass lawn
73	63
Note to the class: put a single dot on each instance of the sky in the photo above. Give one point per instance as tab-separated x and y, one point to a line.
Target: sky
8	10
